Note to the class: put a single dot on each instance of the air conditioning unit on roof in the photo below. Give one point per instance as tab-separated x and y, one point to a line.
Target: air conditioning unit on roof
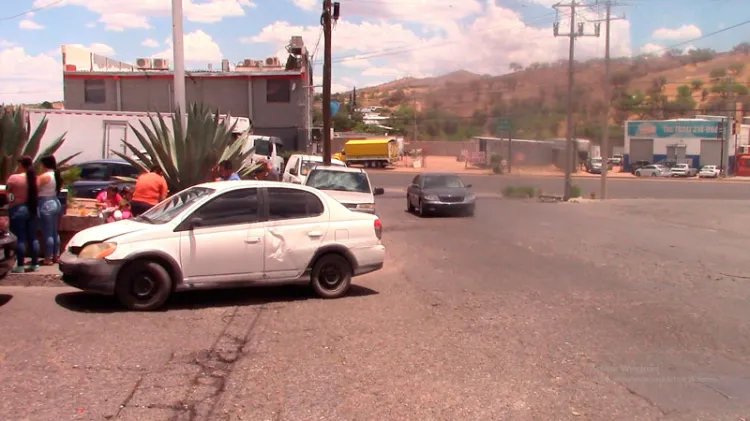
273	62
161	64
143	63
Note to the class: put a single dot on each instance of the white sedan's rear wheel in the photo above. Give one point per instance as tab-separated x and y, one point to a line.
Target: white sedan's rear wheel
331	276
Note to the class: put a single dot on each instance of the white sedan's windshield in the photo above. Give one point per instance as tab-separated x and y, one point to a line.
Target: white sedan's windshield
339	181
174	205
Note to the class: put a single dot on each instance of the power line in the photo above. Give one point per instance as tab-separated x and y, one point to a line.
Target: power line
702	37
36	9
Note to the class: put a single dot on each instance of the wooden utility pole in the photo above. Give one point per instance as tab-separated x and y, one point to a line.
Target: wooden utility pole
569	151
327	46
607	100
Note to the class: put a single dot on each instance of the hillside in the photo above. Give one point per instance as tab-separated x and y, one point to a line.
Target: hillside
462	104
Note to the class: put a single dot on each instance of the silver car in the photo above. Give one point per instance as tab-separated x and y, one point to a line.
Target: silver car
653	170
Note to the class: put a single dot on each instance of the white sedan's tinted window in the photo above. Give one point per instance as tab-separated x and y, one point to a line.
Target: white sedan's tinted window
292	204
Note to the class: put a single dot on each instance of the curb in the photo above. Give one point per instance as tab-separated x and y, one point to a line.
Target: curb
32	280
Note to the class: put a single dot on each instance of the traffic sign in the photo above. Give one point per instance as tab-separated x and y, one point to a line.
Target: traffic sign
503	125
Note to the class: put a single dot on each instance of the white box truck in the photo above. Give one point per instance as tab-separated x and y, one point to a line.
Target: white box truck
96	133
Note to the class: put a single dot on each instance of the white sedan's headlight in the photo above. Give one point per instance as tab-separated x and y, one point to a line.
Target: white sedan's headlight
97	250
431	197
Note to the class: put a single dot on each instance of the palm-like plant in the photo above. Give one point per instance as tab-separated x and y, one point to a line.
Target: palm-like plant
187	157
17	140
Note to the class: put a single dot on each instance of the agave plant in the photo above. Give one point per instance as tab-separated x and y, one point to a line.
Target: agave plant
187	157
17	140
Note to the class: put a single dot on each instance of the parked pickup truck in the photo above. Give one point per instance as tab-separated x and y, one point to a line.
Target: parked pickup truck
683	170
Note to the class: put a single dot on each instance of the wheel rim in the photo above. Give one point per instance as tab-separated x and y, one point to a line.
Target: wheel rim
331	276
143	287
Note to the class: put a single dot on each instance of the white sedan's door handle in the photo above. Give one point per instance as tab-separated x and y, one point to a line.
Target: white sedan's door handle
314	234
253	240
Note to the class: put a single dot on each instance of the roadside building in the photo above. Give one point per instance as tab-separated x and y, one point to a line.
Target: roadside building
702	141
275	96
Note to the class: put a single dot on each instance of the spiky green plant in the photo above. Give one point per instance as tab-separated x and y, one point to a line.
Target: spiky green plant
187	158
17	140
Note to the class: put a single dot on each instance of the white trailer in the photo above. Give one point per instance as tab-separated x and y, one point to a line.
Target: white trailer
96	133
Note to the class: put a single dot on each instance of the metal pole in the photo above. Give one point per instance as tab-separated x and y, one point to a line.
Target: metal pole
327	82
607	98
510	151
178	49
569	142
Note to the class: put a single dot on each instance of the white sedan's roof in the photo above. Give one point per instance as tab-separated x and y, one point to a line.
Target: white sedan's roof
339	169
229	185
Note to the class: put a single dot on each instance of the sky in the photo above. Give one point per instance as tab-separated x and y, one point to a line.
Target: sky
374	41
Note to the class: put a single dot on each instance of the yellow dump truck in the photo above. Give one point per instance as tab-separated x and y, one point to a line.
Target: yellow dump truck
372	153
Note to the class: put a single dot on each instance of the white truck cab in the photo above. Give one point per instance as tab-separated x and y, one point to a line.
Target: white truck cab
299	166
268	148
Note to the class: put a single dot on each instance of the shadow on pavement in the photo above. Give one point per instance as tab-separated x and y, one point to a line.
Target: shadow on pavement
4	299
85	302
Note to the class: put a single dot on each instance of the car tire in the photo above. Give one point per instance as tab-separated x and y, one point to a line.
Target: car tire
409	207
469	213
637	173
331	276
143	285
422	212
653	174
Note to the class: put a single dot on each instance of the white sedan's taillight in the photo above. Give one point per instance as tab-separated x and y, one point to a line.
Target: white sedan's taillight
378	228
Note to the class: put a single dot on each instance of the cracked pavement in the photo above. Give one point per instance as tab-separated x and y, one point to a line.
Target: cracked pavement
624	310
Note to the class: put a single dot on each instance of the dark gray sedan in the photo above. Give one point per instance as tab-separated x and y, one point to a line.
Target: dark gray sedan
440	192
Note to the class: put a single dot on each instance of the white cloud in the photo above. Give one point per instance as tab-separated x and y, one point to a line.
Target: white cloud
307	4
98	48
199	47
357	62
29	79
652	49
91	25
6	44
150	43
486	44
119	15
683	32
29	24
439	13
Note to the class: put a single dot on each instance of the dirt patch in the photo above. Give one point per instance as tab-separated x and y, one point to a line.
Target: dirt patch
32	280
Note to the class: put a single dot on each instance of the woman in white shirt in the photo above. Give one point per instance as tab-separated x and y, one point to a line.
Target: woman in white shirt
50	182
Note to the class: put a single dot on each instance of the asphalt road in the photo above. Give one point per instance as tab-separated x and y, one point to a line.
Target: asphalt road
624	310
628	188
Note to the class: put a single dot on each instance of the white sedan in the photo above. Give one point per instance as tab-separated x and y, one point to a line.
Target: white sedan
653	170
225	234
709	171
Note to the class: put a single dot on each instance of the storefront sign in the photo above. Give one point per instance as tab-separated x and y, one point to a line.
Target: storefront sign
701	129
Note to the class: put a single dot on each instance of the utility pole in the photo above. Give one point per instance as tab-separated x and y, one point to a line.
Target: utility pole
178	50
327	46
569	152
415	121
607	100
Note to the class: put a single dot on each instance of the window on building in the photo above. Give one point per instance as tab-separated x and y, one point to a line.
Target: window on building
278	90
94	91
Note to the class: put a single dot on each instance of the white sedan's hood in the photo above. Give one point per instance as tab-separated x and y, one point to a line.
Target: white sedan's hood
106	231
351	197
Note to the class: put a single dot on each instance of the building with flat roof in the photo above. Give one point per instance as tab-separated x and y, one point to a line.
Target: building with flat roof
277	98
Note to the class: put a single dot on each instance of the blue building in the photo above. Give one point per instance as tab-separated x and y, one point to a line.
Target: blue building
698	142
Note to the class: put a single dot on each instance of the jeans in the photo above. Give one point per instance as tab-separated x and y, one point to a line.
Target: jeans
23	224
49	216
